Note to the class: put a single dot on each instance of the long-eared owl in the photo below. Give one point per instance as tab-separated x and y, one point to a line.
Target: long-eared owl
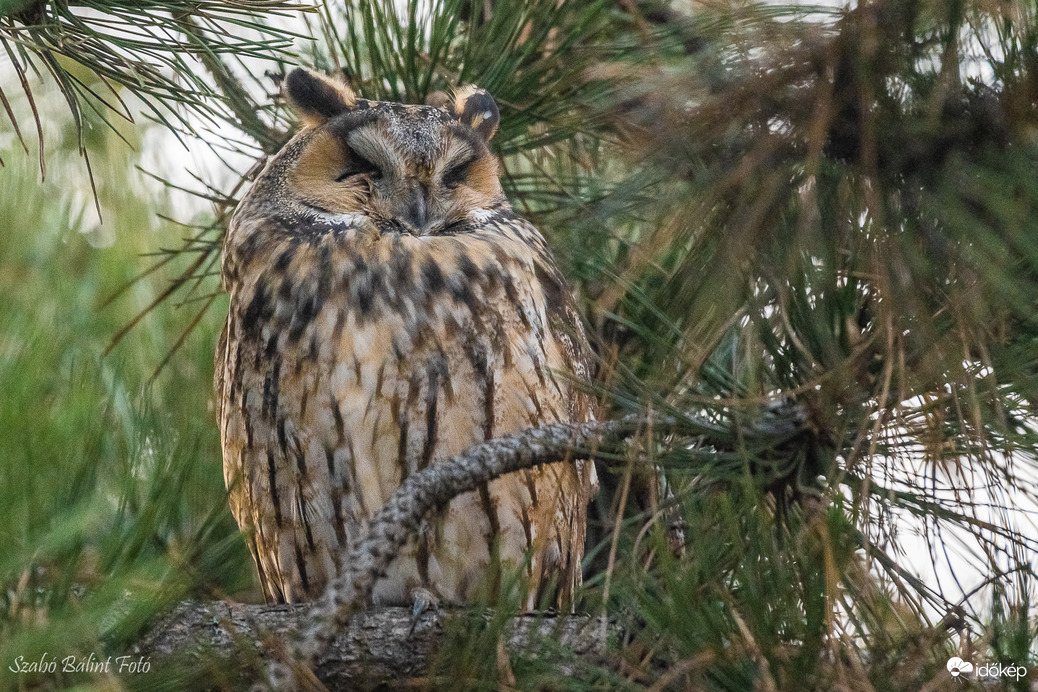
389	309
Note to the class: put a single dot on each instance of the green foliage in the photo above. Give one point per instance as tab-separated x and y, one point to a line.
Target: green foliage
98	52
112	505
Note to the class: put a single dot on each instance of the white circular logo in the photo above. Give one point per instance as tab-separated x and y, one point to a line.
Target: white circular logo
956	666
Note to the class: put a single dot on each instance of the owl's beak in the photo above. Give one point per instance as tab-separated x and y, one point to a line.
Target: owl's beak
415	209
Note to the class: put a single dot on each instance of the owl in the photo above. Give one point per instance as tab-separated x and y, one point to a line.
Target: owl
389	309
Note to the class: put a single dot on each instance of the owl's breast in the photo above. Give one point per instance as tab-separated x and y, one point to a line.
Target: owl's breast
354	361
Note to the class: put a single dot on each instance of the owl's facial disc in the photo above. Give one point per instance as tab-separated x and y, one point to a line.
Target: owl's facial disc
419	179
413	169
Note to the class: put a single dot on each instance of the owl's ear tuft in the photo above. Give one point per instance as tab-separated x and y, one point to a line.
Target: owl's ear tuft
317	97
476	108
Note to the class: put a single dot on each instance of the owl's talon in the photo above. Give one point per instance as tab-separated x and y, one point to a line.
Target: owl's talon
421	600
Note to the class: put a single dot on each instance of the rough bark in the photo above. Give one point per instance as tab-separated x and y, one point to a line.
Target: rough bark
377	649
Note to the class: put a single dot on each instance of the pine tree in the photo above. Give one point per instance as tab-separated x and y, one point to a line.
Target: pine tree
804	240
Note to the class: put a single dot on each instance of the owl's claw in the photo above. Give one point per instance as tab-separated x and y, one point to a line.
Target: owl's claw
421	600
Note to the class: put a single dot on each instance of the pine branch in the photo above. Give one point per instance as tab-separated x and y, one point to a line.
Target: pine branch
380	649
139	47
421	494
245	109
434	487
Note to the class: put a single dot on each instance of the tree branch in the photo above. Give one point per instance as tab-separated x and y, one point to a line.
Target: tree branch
315	628
378	649
421	494
433	488
326	645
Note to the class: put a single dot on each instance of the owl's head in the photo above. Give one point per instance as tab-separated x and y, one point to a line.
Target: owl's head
418	169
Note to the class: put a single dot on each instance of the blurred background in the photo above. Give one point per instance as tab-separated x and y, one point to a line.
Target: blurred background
805	233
